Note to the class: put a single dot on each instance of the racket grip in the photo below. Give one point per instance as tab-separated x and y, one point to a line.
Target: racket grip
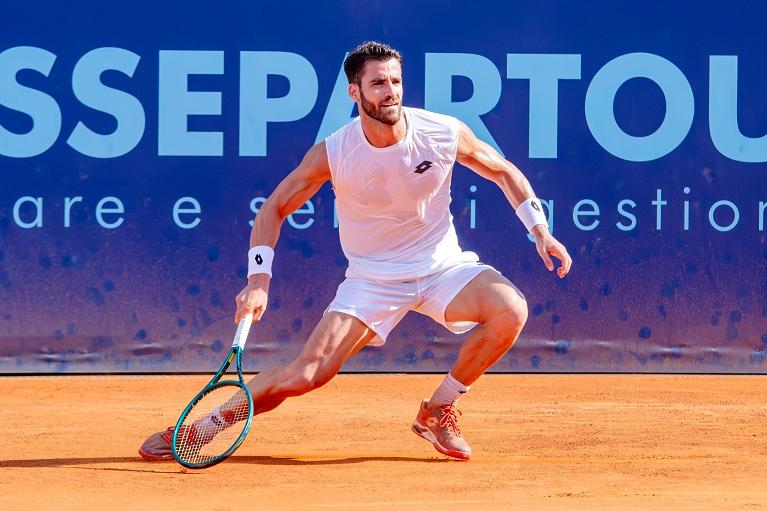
242	331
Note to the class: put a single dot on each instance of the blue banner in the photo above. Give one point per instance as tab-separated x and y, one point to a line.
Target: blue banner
137	141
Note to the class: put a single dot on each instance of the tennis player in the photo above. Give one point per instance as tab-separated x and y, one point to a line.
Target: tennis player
391	169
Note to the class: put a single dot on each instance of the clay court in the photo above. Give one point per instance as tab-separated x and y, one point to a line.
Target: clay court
618	442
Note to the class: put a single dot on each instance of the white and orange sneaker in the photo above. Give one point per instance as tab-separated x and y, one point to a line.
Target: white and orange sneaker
440	427
157	447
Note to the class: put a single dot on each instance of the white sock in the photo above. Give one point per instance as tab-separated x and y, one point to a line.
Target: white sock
213	422
448	393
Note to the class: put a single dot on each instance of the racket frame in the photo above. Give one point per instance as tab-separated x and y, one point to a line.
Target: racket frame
235	355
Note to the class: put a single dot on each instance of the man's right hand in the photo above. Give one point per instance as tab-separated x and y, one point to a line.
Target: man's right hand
253	297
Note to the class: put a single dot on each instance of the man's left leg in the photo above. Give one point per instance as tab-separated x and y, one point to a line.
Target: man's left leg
500	311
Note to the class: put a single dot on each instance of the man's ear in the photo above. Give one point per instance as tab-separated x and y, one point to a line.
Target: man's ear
354	91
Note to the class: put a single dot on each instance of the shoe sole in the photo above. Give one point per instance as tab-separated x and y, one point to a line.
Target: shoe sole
427	435
155	457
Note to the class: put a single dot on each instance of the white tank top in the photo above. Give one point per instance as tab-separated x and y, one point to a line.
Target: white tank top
393	203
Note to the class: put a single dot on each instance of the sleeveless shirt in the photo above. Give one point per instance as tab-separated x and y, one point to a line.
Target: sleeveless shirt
393	203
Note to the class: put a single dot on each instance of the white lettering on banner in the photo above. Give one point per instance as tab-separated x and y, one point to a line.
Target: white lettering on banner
486	81
658	203
680	107
37	204
712	213
579	211
762	209
116	208
180	209
68	203
42	108
723	113
28	211
723	215
544	72
257	110
126	109
177	103
630	216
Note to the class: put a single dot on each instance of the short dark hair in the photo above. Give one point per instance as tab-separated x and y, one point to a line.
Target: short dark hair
369	50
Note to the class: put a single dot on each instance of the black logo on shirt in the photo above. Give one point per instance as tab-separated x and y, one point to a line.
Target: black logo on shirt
423	166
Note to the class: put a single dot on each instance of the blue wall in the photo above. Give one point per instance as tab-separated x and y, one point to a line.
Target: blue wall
113	117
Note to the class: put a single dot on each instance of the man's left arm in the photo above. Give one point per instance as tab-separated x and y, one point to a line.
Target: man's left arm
485	161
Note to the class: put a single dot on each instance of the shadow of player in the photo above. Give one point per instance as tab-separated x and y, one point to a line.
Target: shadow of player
135	461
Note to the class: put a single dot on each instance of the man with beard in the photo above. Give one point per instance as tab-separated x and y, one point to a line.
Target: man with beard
391	169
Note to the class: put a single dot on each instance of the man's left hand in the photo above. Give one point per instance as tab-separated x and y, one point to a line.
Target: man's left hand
548	246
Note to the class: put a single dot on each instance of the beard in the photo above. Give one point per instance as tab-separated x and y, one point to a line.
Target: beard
389	116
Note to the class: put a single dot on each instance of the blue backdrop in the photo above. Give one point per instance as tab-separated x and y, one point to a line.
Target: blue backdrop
137	140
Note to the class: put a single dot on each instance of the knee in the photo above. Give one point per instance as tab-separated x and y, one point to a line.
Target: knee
505	325
304	377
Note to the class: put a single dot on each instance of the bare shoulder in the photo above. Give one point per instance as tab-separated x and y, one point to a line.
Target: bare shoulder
467	140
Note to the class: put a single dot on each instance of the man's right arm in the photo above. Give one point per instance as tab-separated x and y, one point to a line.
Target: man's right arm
292	193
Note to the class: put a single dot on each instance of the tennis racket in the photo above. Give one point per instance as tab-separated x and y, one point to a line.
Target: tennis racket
216	421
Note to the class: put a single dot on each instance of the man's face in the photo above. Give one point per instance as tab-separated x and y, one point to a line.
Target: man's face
380	91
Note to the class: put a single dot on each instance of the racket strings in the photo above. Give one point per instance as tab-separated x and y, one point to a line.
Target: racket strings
213	425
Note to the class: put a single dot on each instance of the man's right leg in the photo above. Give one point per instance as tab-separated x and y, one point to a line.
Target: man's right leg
336	337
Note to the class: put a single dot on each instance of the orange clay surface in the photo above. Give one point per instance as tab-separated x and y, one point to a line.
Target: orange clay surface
540	442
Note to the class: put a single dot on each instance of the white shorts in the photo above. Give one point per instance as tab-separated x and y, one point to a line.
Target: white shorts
382	305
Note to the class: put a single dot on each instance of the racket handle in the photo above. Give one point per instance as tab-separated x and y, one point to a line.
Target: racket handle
242	331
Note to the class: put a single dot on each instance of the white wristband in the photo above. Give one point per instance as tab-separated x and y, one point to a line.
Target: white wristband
531	213
260	260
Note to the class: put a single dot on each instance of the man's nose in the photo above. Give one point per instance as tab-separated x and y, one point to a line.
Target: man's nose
389	89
